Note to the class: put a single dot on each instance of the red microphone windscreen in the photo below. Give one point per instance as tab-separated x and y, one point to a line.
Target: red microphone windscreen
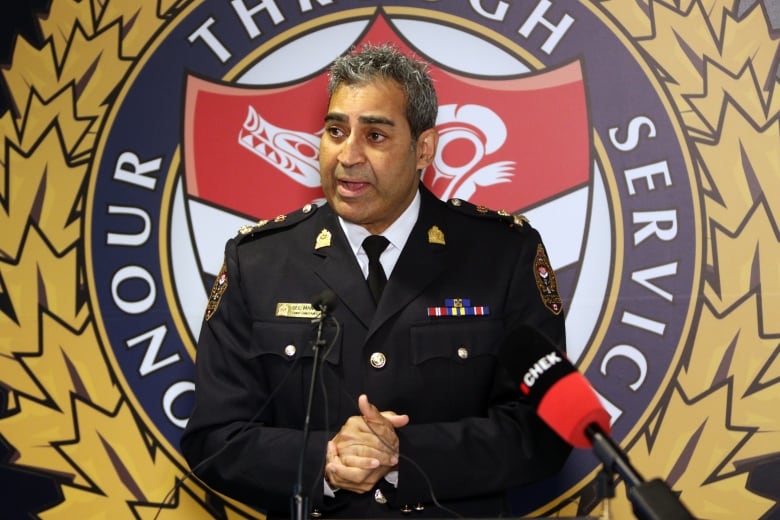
569	406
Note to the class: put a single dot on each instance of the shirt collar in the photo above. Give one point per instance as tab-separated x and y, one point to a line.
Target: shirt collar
398	232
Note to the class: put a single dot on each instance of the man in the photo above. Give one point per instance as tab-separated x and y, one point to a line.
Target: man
413	415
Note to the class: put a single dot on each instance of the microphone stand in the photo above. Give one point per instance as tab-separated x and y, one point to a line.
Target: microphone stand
300	503
652	500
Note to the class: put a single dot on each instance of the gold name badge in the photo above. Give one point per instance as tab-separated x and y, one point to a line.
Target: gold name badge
296	310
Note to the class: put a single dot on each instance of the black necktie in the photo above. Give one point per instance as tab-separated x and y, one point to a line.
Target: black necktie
373	245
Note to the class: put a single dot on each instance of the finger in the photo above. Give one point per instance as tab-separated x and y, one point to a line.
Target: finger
354	479
354	430
378	437
385	460
398	421
358	431
380	453
368	410
360	462
331	452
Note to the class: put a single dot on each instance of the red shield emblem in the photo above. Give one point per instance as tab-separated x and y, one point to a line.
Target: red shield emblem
253	150
513	143
505	144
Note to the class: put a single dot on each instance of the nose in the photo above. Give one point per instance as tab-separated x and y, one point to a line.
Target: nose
351	152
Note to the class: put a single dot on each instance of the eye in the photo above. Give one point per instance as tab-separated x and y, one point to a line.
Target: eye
376	137
335	132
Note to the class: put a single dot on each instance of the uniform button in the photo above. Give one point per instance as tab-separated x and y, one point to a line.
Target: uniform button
463	353
307	208
455	202
406	509
290	350
379	497
315	513
419	507
378	360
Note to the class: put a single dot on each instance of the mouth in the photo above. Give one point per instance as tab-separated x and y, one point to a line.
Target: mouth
352	188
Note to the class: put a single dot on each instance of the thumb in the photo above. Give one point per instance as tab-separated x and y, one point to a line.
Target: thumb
396	420
368	410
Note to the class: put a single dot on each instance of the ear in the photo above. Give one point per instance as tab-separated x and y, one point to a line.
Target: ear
426	148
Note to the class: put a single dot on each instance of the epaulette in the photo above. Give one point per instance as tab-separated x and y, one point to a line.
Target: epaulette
514	221
279	222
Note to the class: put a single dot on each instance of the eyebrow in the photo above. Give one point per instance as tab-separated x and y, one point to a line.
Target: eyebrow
366	120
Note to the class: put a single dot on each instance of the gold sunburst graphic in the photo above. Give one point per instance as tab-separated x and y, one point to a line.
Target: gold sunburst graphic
68	406
720	70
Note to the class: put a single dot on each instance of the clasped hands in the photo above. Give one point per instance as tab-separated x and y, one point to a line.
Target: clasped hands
365	449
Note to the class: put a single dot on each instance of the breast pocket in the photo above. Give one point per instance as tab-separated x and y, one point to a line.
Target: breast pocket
456	361
285	353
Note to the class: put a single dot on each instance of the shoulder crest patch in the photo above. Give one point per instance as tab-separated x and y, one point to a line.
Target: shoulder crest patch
217	290
546	282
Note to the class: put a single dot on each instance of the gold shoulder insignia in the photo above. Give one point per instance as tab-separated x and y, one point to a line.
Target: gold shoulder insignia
436	236
278	222
323	239
245	230
462	206
520	220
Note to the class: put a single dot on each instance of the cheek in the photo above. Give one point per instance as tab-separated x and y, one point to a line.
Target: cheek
327	166
327	183
327	174
327	152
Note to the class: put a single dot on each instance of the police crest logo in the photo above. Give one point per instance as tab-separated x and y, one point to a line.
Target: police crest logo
175	128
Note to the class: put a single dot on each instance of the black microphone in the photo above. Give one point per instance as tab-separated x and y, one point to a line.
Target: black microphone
324	302
560	394
567	403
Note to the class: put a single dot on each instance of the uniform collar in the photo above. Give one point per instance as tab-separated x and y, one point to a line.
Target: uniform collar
398	232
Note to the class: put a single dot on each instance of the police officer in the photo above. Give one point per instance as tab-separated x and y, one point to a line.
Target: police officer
412	414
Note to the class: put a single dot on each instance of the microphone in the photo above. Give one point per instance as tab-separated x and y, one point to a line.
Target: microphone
324	302
567	403
562	396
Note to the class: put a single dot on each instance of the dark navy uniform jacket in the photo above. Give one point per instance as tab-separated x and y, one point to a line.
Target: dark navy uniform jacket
470	434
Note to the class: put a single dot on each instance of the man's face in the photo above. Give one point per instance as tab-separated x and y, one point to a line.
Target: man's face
368	164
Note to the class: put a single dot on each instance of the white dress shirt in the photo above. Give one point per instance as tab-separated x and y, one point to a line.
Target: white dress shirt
398	233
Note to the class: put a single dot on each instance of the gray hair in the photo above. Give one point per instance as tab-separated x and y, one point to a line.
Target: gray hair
372	62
